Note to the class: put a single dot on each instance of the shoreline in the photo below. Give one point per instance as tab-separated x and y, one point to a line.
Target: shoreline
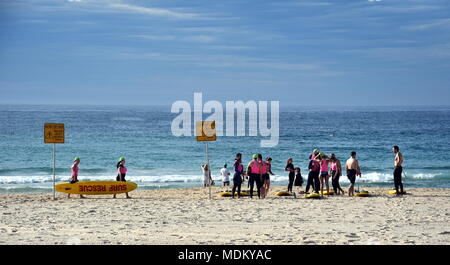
146	193
29	189
186	216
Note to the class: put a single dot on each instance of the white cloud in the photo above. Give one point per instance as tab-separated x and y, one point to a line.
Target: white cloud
153	11
432	24
204	29
190	38
315	3
200	38
302	3
407	55
231	47
155	37
230	61
108	6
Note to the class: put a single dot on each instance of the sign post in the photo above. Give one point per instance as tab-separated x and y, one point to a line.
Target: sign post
209	168
205	132
54	134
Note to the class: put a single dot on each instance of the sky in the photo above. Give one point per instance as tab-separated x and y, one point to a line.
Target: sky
299	52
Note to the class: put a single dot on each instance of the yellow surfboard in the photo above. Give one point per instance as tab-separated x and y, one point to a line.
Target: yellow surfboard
362	194
96	187
394	192
283	193
312	196
331	192
228	194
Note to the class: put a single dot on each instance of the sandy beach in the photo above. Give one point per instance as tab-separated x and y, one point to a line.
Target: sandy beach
187	216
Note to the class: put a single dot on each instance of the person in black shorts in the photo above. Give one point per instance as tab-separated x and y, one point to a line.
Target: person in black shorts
351	175
353	170
336	172
398	170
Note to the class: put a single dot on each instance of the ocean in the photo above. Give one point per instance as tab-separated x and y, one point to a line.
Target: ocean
156	159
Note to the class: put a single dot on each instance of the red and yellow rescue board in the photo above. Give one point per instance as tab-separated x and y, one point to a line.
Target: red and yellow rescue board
96	187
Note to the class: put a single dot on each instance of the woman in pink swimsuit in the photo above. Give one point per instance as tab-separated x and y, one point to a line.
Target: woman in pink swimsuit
324	176
336	172
74	177
121	172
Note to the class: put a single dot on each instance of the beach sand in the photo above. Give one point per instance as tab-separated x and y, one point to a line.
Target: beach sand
187	216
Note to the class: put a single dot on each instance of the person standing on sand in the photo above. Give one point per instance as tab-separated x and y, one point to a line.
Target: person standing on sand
353	170
262	175
121	173
336	172
238	177
291	169
314	155
225	175
324	176
398	169
298	179
74	177
207	180
314	172
254	175
266	177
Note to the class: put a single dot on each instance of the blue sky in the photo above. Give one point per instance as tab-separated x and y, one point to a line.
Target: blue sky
357	52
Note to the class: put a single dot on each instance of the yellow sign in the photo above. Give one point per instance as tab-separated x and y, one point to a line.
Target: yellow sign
54	133
205	131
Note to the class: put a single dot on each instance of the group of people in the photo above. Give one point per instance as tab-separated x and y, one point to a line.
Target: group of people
321	168
121	173
257	172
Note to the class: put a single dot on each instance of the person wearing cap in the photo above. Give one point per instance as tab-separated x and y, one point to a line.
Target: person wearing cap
225	173
314	172
121	172
314	154
74	178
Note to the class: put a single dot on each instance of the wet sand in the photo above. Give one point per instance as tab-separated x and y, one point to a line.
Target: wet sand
187	216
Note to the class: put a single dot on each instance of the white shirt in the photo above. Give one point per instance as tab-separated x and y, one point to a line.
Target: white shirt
225	174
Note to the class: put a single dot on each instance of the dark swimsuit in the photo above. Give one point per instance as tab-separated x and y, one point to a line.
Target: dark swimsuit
351	175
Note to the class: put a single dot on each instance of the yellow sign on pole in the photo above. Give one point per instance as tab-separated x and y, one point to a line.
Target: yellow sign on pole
206	131
54	133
